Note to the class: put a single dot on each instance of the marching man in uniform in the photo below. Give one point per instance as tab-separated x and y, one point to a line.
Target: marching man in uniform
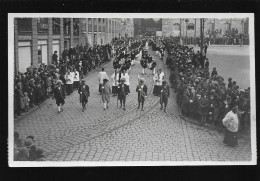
84	94
127	81
115	80
165	94
158	78
142	92
122	92
153	65
59	95
105	92
101	76
144	65
76	79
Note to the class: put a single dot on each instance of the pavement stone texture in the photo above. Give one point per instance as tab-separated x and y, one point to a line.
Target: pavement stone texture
118	135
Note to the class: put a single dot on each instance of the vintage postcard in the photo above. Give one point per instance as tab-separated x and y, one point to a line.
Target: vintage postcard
131	89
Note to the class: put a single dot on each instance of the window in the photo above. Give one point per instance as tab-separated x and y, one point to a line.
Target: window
83	27
42	25
89	25
66	25
24	25
76	26
42	52
99	25
95	25
190	26
56	26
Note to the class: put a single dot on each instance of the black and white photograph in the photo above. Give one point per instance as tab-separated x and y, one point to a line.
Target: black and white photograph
131	89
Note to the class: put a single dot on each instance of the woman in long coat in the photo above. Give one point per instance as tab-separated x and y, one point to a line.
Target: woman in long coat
185	102
84	94
203	108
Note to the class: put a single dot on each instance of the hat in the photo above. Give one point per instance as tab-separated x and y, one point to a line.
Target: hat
28	142
141	80
164	82
83	82
105	80
58	82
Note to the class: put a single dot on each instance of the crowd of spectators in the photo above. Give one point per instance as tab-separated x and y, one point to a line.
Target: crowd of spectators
27	150
35	85
202	95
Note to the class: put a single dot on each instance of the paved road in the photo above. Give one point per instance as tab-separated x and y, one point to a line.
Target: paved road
131	135
231	61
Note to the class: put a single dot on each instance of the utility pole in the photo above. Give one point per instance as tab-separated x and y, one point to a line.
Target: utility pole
195	33
180	27
201	34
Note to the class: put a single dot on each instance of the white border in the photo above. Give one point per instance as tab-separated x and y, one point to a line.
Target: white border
128	15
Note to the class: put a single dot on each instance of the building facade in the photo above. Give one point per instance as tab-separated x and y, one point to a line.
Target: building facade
191	27
147	26
36	39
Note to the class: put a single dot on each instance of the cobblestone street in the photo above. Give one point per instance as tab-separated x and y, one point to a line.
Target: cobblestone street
118	135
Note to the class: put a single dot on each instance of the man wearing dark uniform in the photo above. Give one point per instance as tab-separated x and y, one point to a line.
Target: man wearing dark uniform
122	92
153	65
142	93
144	65
84	94
165	93
59	95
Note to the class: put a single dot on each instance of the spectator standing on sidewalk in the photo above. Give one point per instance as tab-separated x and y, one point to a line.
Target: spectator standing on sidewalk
230	121
55	57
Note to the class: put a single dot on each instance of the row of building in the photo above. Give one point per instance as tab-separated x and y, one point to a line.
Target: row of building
212	26
36	39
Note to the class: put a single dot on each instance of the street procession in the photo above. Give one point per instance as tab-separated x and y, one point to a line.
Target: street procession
95	87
